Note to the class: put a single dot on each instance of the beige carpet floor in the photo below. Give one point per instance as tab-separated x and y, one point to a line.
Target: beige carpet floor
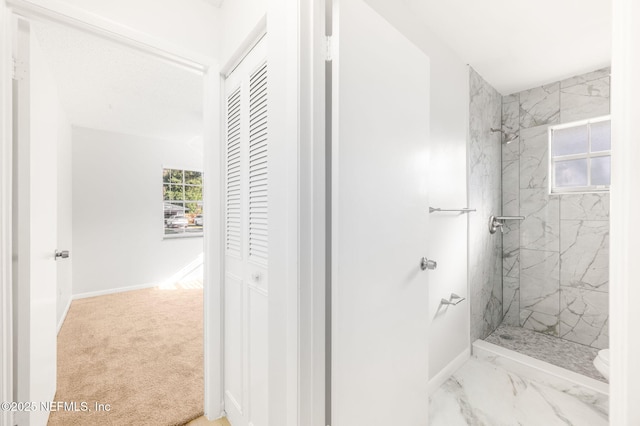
139	351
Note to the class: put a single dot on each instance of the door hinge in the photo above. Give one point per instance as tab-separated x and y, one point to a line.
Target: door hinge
18	69
328	49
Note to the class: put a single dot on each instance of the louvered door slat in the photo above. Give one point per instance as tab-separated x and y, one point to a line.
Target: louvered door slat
258	165
234	176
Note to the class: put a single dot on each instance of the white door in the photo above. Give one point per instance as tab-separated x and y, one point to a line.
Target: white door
35	219
246	241
380	214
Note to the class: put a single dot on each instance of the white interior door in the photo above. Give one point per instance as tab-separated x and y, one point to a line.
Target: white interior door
380	213
35	219
246	241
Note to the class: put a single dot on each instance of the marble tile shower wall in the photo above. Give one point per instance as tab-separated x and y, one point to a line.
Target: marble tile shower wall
485	250
555	262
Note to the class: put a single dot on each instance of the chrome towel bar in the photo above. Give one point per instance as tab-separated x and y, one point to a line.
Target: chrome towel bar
463	210
497	222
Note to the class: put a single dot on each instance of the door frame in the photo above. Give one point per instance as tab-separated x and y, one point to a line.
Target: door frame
199	64
624	293
6	170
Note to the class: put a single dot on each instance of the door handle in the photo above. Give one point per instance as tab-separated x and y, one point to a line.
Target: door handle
62	254
428	264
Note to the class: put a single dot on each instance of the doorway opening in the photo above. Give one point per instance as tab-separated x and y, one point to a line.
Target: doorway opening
106	139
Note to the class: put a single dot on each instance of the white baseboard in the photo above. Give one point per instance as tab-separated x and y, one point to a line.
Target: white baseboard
113	291
444	374
64	314
186	270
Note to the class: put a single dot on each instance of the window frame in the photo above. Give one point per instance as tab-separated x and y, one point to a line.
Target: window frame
184	202
589	155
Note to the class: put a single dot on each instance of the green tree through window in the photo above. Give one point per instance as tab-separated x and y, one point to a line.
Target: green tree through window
182	202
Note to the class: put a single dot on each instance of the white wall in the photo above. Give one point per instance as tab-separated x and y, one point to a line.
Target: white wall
237	19
65	230
447	184
189	24
118	210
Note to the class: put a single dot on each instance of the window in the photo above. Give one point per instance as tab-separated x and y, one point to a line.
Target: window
580	156
182	202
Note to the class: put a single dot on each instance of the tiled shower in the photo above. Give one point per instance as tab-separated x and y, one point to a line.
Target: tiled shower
549	272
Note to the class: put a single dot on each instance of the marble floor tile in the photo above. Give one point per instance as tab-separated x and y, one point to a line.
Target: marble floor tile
562	353
483	394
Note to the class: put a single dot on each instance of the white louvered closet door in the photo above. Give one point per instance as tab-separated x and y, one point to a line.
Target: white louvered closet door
246	240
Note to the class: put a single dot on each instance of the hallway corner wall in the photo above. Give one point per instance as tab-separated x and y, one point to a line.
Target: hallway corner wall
485	195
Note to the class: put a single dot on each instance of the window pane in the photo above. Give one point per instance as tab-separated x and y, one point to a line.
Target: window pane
175	221
177	176
601	170
196	220
192	178
571	173
176	192
182	192
573	140
601	136
193	193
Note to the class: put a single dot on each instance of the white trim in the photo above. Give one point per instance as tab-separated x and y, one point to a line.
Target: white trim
64	315
61	12
312	215
250	41
444	374
534	369
183	235
283	354
213	243
6	170
113	290
624	293
588	155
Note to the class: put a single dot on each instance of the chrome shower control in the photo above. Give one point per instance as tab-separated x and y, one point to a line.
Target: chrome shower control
428	264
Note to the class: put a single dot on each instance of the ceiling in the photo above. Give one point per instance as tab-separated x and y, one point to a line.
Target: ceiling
520	44
106	86
513	44
216	3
